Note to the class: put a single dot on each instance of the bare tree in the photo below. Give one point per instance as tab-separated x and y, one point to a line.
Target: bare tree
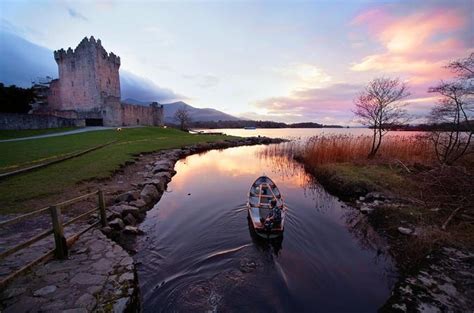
380	106
464	68
183	117
454	111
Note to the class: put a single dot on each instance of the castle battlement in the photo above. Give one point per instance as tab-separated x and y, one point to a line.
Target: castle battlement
89	88
87	45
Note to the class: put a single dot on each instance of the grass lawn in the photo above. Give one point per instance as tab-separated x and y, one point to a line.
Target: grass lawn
97	164
10	134
373	176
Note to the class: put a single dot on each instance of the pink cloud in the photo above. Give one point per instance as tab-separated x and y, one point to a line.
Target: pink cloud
416	45
335	101
373	17
413	32
315	104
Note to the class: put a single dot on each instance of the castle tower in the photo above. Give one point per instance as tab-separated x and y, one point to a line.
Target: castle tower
88	89
88	76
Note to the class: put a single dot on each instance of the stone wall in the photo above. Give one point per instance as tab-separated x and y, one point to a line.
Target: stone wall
54	95
140	115
58	113
158	114
112	112
33	121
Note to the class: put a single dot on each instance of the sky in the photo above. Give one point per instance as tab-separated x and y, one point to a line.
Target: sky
287	61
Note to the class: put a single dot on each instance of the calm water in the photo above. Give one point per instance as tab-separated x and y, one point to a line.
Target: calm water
292	133
198	253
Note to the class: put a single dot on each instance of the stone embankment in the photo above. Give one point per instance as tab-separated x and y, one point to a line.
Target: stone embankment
130	207
99	274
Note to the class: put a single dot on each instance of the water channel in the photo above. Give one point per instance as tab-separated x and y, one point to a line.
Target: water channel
199	253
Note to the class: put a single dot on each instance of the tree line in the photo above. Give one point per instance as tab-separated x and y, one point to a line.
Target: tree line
14	99
184	121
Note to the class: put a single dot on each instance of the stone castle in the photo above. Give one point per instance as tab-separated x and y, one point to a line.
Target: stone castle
88	89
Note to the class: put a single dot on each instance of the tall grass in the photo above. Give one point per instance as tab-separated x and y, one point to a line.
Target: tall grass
325	149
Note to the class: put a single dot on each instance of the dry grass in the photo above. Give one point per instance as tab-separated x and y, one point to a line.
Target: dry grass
437	201
345	148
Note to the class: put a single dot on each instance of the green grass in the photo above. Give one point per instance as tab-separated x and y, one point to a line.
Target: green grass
378	177
101	163
17	154
10	134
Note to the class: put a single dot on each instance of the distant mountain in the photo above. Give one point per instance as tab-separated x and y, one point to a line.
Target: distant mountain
22	62
201	115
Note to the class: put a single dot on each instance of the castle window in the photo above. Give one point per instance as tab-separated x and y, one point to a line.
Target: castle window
73	65
72	83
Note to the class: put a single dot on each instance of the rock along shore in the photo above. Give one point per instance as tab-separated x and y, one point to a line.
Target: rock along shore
100	275
129	207
444	280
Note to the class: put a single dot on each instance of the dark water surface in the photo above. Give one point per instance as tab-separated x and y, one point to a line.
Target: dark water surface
200	255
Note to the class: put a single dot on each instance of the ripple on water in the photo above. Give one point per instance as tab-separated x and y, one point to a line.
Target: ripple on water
199	253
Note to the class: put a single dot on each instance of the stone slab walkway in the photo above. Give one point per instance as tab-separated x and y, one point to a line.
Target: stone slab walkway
20	232
70	286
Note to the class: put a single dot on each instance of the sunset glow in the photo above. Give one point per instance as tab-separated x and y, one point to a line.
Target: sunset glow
284	61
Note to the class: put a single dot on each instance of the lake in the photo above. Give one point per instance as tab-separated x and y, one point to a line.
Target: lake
301	133
199	253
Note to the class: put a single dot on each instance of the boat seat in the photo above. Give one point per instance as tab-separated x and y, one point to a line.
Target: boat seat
253	201
255	214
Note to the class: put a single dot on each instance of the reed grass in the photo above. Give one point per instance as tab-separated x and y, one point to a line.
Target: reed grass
319	150
404	168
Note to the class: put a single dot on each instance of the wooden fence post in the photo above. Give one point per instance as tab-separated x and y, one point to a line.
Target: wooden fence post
61	251
103	215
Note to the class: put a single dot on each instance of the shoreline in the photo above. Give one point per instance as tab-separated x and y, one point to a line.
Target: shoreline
442	281
100	272
146	179
130	207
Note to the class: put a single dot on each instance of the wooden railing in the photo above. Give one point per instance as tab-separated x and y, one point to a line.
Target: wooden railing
62	244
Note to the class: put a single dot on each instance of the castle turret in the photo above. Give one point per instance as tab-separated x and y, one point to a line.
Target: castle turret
88	89
157	114
87	75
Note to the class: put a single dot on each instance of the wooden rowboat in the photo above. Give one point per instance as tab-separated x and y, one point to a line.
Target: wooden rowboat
261	193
